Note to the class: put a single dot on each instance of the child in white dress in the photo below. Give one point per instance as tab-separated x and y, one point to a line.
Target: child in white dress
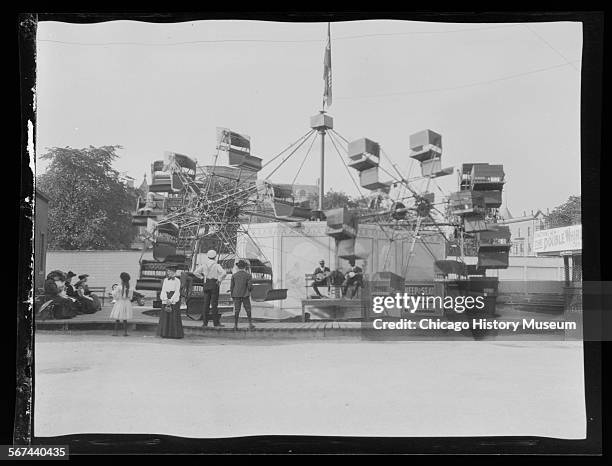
112	293
122	309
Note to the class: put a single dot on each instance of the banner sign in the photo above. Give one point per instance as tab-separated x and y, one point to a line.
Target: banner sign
558	239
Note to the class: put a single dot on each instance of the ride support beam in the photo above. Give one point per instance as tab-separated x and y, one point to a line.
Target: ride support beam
322	175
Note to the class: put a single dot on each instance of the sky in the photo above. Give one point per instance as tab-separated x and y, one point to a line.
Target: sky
497	93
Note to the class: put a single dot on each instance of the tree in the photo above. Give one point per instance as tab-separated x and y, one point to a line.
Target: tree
568	213
89	207
334	199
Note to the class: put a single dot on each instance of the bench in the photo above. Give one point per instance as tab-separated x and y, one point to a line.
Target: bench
99	291
334	290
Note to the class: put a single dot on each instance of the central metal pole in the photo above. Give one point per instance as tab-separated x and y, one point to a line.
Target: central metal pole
322	178
461	245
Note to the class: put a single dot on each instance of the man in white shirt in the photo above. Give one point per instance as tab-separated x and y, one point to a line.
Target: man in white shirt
213	274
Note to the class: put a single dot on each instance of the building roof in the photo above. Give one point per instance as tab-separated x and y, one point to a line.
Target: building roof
525	218
144	186
505	213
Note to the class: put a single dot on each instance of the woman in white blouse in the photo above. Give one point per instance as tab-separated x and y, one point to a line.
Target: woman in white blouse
170	323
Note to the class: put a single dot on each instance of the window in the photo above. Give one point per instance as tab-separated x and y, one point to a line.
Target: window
528	232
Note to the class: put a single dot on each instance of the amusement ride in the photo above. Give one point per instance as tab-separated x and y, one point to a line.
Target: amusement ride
191	208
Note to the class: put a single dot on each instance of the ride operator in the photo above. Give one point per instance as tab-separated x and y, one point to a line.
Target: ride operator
213	274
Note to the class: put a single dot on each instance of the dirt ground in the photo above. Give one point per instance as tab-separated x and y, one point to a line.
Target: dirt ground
96	383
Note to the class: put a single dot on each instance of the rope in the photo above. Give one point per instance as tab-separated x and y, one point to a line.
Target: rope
286	149
310	133
303	161
339	135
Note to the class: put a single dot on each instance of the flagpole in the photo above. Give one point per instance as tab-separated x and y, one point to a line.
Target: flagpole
323	122
322	130
322	177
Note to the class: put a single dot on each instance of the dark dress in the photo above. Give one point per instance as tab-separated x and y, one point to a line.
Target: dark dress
91	305
170	323
71	293
87	306
64	308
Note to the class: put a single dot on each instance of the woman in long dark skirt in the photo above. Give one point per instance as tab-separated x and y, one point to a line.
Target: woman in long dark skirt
54	291
170	323
91	301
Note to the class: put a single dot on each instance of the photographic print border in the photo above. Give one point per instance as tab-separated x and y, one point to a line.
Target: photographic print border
591	138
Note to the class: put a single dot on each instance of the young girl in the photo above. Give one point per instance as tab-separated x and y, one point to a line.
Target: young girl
122	310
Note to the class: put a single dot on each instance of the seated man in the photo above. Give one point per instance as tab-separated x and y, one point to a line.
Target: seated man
321	277
354	279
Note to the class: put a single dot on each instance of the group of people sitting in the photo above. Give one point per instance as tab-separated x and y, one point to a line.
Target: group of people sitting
65	299
324	277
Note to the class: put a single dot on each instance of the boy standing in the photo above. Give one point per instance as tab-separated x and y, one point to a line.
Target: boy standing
240	289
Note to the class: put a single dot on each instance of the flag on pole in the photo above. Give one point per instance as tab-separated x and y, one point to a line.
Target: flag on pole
327	71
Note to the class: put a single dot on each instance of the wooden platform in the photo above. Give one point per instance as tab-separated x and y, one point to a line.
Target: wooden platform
338	307
145	317
286	329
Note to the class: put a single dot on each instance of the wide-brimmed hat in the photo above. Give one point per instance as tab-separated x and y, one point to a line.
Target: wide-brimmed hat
56	275
171	267
83	276
70	274
211	254
241	264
